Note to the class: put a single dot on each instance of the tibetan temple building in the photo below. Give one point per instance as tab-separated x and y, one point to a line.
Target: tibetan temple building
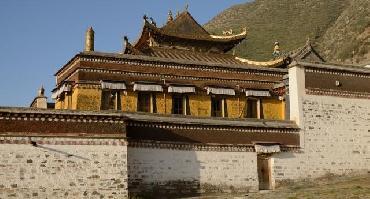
178	114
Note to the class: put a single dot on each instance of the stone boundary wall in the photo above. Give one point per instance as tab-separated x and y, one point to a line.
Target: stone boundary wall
154	171
335	139
63	168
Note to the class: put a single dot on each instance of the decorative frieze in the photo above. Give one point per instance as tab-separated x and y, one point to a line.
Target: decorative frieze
337	93
200	147
210	128
61	141
188	146
181	66
63	117
138	74
337	72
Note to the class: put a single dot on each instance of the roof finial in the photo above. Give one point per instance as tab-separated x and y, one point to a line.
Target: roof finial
186	7
244	29
308	42
145	18
169	18
177	14
125	42
277	51
153	22
125	39
40	100
227	32
41	91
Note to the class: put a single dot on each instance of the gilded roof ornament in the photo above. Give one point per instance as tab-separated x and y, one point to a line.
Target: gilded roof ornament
308	41
228	34
277	51
273	63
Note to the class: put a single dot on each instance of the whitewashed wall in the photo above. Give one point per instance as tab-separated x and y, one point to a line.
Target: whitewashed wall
335	138
63	171
189	171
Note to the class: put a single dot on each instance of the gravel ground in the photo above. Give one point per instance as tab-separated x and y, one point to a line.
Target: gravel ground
327	187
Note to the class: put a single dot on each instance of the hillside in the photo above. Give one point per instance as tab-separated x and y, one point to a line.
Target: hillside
337	28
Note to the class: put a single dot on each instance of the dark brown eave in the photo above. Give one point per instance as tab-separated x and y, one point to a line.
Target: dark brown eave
32	122
156	30
332	67
74	58
150	30
118	116
167	60
207	121
148	59
142	126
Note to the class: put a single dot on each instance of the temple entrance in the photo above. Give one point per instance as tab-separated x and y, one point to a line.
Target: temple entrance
264	172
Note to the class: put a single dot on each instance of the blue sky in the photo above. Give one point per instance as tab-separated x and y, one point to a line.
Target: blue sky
38	37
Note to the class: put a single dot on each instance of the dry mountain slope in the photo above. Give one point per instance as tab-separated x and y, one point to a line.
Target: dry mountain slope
291	22
348	39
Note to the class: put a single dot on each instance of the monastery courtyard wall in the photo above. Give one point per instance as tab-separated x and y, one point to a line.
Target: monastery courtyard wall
335	138
192	171
63	168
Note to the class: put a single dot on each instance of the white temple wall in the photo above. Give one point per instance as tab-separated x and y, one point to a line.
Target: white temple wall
63	168
335	136
191	171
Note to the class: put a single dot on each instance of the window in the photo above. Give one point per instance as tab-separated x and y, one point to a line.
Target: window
218	106
253	108
111	100
180	104
68	100
146	102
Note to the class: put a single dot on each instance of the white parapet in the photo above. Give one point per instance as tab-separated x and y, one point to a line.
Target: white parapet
296	93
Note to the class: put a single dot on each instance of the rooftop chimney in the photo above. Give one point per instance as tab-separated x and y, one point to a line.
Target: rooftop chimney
89	40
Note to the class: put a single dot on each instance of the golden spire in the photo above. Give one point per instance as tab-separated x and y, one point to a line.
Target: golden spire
169	18
89	40
276	52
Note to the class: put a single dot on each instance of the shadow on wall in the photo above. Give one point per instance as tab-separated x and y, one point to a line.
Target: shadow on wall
161	172
286	155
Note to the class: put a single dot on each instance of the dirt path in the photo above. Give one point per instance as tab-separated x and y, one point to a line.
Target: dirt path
328	187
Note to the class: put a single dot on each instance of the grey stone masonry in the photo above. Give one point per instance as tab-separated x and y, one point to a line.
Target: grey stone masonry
166	171
336	139
63	171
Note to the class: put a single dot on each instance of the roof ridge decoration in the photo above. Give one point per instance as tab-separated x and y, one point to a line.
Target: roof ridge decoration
185	32
231	36
129	48
182	20
302	52
273	63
